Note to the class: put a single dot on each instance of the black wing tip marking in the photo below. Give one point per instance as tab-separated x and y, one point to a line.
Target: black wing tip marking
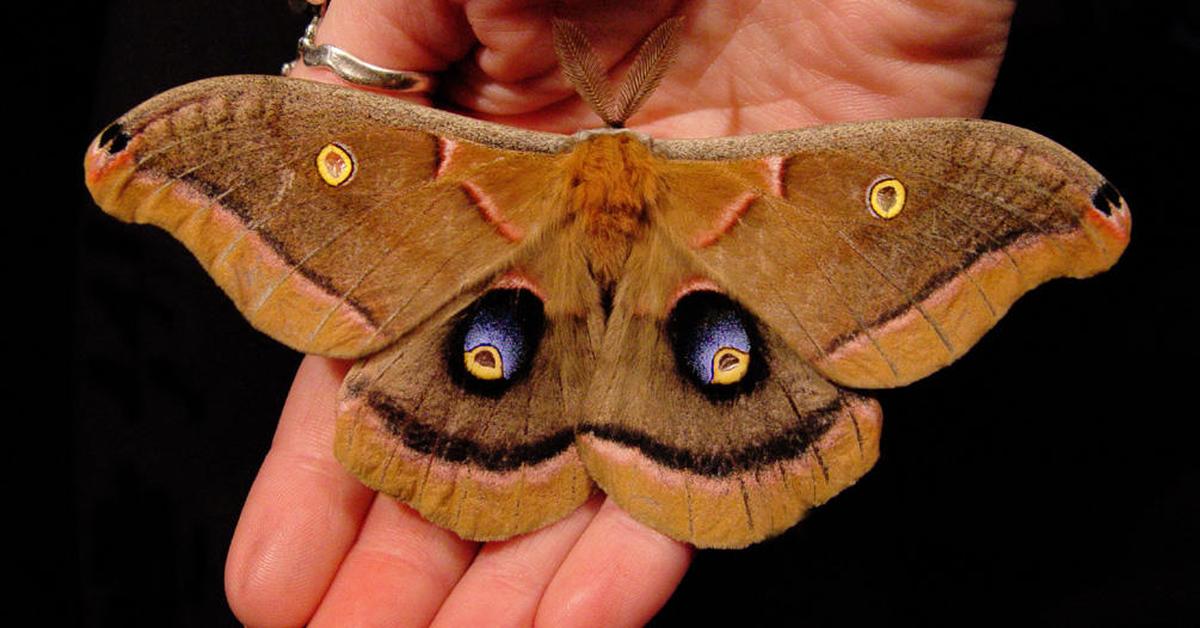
114	139
1107	198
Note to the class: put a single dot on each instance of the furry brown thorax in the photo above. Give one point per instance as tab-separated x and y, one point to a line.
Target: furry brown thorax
612	183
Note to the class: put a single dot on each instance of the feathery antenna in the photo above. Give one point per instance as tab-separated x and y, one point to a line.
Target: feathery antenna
579	62
582	67
649	67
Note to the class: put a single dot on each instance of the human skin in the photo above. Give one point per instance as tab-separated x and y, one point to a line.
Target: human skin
313	545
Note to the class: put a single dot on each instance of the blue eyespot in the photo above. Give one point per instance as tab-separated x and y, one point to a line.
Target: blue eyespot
498	336
713	339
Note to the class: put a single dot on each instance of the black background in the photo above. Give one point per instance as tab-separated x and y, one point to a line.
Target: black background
1048	477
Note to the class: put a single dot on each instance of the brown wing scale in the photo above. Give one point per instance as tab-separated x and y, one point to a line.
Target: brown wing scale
488	466
229	166
991	211
350	225
713	472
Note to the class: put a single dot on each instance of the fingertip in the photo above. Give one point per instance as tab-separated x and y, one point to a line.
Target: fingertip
398	572
303	511
619	573
507	578
306	423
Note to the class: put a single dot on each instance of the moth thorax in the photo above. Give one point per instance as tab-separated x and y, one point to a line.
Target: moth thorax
612	174
612	179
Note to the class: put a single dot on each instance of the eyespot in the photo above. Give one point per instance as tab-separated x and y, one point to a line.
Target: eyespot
714	342
496	340
729	365
484	362
885	197
335	165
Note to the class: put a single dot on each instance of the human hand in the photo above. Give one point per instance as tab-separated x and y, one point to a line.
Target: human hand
313	544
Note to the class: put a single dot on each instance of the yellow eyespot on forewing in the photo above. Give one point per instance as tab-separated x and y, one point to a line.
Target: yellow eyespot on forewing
335	164
484	362
885	197
729	366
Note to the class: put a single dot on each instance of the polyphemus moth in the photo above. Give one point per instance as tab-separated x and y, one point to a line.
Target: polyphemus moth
685	324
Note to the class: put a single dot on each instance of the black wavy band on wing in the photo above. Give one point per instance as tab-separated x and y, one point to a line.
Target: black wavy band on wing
426	439
121	133
788	445
208	190
934	283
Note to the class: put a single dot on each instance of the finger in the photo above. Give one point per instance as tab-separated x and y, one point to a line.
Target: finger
418	35
398	572
518	44
514	77
506	581
303	511
618	574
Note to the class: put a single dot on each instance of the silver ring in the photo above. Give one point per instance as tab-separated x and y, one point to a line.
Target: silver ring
353	69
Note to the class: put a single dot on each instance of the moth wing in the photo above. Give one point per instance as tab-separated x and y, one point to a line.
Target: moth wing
488	463
334	219
714	472
986	212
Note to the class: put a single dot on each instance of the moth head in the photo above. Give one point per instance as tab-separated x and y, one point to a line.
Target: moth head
716	344
495	340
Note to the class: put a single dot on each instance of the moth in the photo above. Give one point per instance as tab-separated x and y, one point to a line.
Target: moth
687	325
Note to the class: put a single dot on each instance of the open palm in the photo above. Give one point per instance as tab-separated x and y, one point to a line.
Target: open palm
313	544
